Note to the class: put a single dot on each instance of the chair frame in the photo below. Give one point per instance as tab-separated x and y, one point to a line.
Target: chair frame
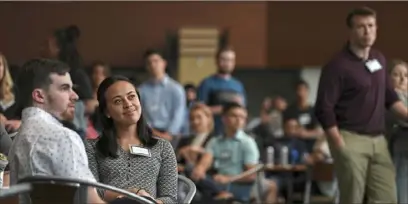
258	169
11	194
82	183
311	175
191	186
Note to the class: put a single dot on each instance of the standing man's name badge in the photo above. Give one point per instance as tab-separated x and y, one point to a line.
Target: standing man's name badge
141	151
373	65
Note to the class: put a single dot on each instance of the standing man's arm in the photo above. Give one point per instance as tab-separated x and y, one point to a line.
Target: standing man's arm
329	91
179	108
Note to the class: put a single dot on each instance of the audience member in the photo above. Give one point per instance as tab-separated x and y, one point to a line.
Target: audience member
399	77
303	112
353	95
43	146
98	72
296	151
190	149
62	45
291	140
231	154
9	106
127	155
271	118
191	94
266	107
221	88
191	98
163	98
274	118
202	125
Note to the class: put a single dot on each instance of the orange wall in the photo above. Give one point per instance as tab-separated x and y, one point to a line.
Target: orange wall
275	34
119	32
309	33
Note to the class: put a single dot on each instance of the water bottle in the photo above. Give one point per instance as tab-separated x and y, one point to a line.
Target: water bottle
284	156
294	157
270	156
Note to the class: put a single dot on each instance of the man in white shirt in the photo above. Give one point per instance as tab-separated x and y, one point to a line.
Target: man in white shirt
43	145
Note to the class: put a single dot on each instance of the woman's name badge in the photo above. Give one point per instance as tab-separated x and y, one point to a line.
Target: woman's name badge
141	151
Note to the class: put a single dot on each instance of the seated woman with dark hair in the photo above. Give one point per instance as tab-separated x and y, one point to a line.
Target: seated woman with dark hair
127	155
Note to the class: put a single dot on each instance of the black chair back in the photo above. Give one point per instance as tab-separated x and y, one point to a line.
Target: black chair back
70	189
11	195
55	193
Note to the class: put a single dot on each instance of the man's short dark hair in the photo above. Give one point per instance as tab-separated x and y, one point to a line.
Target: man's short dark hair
227	107
36	74
223	49
300	83
151	52
362	11
190	86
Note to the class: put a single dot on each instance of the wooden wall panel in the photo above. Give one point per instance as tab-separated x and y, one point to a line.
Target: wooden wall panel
265	34
119	32
309	33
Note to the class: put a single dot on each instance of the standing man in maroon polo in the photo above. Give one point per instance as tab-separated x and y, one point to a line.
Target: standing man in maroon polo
353	95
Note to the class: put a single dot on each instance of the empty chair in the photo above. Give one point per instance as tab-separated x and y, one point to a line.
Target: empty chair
50	189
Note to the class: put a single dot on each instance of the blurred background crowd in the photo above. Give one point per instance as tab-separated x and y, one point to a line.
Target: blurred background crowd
264	56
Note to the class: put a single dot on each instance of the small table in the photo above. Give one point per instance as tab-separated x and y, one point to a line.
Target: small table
286	168
290	169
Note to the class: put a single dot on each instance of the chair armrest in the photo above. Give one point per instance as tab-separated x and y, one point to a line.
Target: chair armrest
15	190
248	172
192	188
53	179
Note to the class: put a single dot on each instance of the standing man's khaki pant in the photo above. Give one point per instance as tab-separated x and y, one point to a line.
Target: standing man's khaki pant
364	168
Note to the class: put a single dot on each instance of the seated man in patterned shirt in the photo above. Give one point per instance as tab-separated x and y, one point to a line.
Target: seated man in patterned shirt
43	146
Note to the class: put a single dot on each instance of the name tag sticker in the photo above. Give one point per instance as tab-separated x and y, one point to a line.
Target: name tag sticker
373	65
226	154
141	151
304	119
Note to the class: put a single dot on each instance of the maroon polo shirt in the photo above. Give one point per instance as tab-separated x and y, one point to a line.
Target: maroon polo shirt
353	98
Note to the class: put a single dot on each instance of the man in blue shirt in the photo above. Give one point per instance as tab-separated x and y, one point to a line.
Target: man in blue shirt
221	88
162	98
